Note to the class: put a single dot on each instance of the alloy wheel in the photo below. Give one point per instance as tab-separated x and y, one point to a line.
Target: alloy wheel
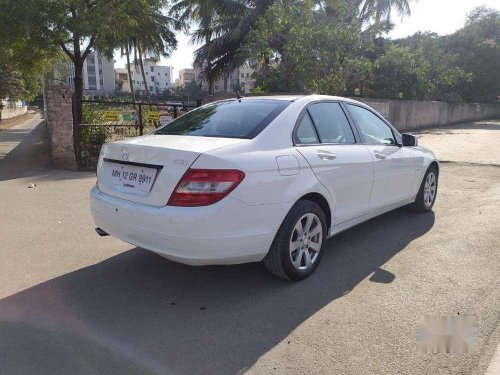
306	241
430	189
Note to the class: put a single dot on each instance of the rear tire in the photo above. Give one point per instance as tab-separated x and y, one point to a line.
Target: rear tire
428	191
297	247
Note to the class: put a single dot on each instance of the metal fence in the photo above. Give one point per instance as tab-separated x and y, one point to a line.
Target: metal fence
107	121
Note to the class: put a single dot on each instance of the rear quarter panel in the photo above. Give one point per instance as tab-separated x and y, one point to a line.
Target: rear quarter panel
263	183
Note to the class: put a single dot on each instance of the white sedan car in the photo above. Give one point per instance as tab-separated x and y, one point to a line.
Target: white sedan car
261	178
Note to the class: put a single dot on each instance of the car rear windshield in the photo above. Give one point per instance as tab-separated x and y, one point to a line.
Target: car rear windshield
228	119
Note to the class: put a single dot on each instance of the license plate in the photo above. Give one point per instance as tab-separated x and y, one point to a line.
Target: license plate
132	176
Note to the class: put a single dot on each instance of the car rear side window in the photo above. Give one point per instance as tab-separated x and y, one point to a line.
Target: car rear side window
373	129
305	131
331	123
228	119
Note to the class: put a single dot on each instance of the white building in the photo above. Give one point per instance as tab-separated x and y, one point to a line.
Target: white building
241	79
186	76
158	77
121	75
245	75
98	75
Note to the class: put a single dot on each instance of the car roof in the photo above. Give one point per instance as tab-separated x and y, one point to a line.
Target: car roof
292	98
274	97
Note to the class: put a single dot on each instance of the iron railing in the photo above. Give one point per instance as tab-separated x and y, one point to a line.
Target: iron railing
106	121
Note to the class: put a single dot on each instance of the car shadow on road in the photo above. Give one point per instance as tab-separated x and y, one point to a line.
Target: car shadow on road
139	313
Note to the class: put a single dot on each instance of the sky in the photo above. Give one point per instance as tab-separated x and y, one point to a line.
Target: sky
440	16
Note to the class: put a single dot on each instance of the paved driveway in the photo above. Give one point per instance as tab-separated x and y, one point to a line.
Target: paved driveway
72	302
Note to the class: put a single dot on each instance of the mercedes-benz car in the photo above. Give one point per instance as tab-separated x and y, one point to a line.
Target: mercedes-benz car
259	179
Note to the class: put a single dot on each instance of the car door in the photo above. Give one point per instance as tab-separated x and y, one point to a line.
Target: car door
394	164
341	163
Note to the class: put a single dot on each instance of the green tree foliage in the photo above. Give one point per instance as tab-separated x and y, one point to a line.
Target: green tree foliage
303	47
142	28
23	60
418	68
21	73
476	49
463	66
335	48
402	73
79	26
70	25
222	27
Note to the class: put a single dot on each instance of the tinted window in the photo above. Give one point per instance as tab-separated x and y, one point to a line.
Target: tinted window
230	119
305	131
331	123
373	129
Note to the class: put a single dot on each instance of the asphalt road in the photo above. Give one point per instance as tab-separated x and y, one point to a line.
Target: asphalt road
74	303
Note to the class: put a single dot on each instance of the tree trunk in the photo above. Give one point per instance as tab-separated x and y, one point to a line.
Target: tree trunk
210	86
130	78
210	80
78	82
226	79
143	73
136	65
78	95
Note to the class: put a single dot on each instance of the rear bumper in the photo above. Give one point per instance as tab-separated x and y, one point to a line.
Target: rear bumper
228	232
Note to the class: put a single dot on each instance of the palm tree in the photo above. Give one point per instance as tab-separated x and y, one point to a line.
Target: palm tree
144	29
126	51
222	26
381	9
139	65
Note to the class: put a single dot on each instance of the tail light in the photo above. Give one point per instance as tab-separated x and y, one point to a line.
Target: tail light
202	187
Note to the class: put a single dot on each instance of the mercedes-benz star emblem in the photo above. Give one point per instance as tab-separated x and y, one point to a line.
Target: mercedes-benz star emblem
124	154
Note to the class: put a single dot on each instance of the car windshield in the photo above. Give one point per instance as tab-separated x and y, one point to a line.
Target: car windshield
229	119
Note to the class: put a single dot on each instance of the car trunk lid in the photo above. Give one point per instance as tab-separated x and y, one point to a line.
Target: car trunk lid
147	169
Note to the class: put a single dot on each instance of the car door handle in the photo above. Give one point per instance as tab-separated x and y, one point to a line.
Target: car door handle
380	156
325	155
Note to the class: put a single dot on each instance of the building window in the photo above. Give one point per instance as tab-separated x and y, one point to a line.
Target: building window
166	74
248	75
151	88
158	74
92	83
146	73
242	75
152	79
152	69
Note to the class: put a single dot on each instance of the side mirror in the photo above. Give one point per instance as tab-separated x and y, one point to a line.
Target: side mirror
409	140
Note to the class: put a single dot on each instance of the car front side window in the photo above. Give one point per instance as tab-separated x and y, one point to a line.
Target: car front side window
373	129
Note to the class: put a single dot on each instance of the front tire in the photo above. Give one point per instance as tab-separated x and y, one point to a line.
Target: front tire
296	250
428	191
